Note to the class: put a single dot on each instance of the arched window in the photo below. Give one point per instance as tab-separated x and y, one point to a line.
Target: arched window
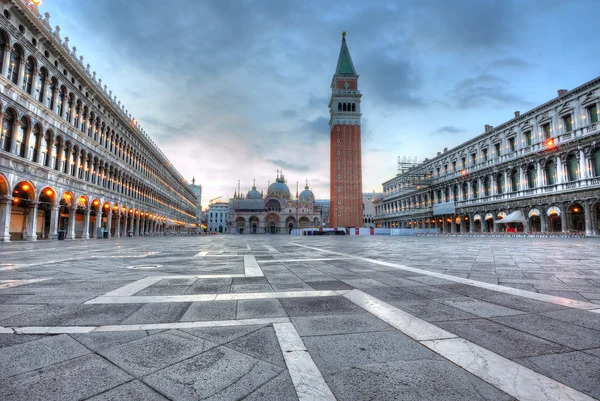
22	133
28	77
344	107
77	114
500	184
486	186
455	190
60	107
353	106
41	82
339	107
550	173
475	189
531	177
3	45
465	191
514	180
596	162
15	65
572	168
447	195
7	129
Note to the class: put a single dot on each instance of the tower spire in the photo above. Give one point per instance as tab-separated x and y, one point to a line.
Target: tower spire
344	64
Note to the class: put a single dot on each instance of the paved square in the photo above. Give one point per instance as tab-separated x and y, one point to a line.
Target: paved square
300	318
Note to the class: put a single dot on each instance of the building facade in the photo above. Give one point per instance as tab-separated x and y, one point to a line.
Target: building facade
197	190
276	213
540	171
369	208
345	190
73	161
217	217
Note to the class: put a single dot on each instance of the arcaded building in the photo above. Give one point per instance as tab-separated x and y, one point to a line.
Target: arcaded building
73	162
540	171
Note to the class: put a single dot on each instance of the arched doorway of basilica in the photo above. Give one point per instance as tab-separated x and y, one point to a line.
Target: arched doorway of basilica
290	223
304	222
272	223
254	224
240	225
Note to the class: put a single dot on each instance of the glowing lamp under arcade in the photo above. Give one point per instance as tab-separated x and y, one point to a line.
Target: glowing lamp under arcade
550	142
26	187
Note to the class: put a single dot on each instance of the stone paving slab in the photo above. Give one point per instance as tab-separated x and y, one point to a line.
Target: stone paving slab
358	355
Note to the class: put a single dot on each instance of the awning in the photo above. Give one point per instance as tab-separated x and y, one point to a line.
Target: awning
534	212
514	217
170	223
553	210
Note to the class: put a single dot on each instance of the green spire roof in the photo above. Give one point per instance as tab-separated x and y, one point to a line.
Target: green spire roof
344	64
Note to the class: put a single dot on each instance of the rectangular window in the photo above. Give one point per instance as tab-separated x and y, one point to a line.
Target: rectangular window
463	162
546	130
528	138
568	122
445	169
497	149
438	171
511	144
485	155
593	114
473	159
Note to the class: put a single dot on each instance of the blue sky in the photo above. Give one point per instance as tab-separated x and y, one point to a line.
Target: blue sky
234	90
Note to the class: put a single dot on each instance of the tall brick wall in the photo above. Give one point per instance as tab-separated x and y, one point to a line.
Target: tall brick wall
346	177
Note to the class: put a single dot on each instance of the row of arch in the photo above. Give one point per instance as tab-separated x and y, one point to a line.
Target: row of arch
38	83
31	213
347	107
271	224
577	216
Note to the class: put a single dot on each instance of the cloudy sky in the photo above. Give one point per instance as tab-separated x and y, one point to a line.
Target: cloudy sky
237	89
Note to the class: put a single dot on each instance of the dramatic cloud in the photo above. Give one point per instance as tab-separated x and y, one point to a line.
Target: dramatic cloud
236	89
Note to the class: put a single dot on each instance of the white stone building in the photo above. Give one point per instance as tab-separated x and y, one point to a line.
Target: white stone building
217	217
369	208
73	162
540	171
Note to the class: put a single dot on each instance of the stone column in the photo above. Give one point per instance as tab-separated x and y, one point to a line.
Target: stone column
5	209
543	220
109	216
49	154
98	222
469	190
522	184
55	100
34	83
559	170
13	137
582	165
86	225
125	223
45	92
506	184
471	224
540	180
526	227
54	216
453	224
71	224
26	142
32	223
118	224
6	61
563	219
131	221
136	231
590	228
21	74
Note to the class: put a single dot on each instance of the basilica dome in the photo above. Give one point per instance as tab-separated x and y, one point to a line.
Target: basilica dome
279	189
307	195
253	193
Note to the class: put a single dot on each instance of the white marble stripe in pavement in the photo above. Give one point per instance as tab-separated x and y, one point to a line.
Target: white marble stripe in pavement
203	253
271	249
308	381
504	374
251	267
492	287
415	328
17	283
134	327
209	297
510	377
132	288
300	260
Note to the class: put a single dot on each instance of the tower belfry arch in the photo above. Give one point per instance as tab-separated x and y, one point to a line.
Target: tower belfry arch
345	144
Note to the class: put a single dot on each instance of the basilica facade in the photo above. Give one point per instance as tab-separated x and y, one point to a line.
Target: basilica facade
276	213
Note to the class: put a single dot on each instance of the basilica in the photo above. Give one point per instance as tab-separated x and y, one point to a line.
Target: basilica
276	213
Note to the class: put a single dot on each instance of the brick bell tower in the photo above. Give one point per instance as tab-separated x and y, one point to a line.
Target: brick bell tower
345	165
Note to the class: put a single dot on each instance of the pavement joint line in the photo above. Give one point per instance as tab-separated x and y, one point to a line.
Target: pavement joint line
502	373
571	303
251	267
17	283
271	249
139	327
103	299
306	377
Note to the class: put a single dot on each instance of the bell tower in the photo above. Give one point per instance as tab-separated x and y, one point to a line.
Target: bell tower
346	209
